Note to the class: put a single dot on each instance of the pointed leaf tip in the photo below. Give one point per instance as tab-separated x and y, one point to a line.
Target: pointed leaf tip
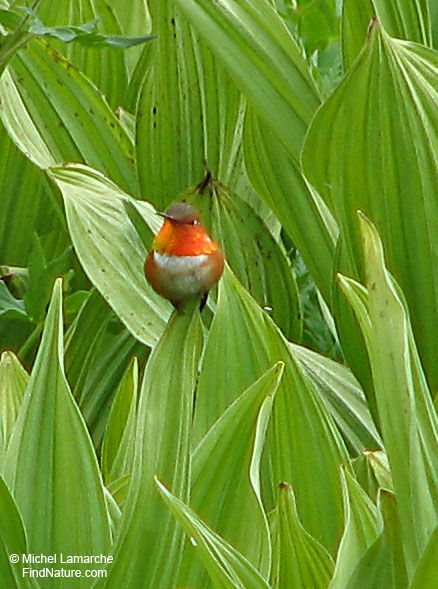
374	22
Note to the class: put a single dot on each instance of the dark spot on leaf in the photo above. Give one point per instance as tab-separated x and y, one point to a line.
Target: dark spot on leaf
172	20
91	111
155	125
112	125
154	110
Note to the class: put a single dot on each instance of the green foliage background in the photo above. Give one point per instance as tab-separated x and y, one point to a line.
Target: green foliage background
288	437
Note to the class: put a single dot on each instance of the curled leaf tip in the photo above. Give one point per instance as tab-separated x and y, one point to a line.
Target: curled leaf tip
373	23
206	181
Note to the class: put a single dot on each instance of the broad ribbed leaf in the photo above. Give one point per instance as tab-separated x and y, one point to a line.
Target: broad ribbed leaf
12	541
433	9
13	382
110	249
403	19
371	147
10	307
226	566
243	343
226	463
50	458
263	59
133	22
378	462
279	181
97	353
118	443
383	563
427	570
189	114
362	526
257	259
25	204
406	19
316	22
301	561
407	417
54	114
106	67
119	489
342	396
150	542
356	18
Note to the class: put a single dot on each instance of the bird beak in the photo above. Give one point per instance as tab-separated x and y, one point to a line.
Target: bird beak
165	215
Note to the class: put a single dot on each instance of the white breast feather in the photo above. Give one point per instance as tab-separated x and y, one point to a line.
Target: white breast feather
183	276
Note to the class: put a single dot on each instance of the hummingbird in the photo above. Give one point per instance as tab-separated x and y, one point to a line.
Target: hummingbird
184	262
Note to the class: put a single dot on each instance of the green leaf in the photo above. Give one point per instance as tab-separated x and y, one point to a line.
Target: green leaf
110	250
407	417
189	113
114	512
403	19
9	18
119	490
141	70
426	571
316	23
433	8
50	458
235	443
106	68
362	527
275	176
225	565
300	423
12	541
118	443
27	206
406	19
85	35
13	382
42	271
378	462
54	114
370	148
383	563
263	59
301	561
97	353
356	18
9	305
257	259
150	543
343	397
